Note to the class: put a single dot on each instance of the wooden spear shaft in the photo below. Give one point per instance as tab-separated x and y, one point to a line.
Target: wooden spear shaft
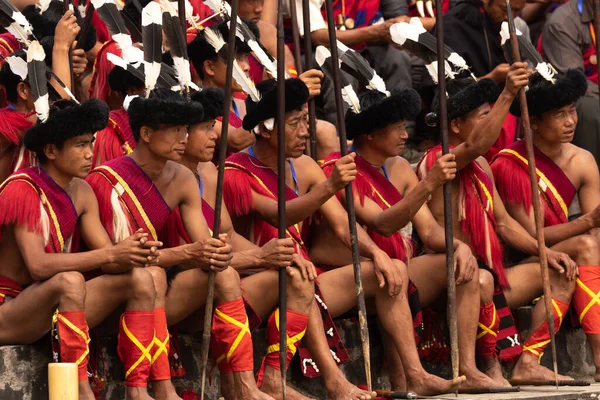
66	4
87	24
182	19
535	195
208	311
362	310
295	36
443	117
308	60
281	222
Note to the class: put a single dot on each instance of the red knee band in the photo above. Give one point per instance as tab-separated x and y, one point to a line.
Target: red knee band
73	340
160	369
136	339
231	340
537	342
296	328
487	331
586	298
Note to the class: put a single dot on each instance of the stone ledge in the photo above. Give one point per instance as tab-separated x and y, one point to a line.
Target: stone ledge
23	371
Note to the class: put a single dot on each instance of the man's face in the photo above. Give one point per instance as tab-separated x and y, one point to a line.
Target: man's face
251	9
75	157
462	127
167	142
202	141
556	126
219	69
498	11
296	133
390	140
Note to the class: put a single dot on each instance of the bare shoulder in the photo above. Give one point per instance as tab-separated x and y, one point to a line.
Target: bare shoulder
82	195
208	172
265	28
483	163
177	172
398	164
579	156
307	169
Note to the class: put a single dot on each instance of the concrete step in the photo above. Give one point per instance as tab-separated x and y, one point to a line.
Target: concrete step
23	369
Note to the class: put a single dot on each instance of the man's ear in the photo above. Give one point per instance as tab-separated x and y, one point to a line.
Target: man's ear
263	131
23	91
50	151
455	126
145	134
209	67
533	121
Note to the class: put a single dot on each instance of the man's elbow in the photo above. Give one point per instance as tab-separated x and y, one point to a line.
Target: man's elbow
37	271
319	38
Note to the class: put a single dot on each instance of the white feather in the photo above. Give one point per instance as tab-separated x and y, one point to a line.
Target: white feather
152	14
42	108
458	61
246	83
505	33
377	83
547	71
432	69
120	222
18	66
182	71
116	60
218	6
351	98
321	54
214	38
402	31
263	58
43	5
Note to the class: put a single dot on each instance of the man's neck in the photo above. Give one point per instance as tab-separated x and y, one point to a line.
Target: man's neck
551	149
61	179
148	162
265	154
20	107
371	155
190	163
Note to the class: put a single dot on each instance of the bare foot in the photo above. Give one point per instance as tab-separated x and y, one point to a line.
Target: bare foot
341	389
528	368
137	393
272	386
491	367
85	391
477	380
431	385
244	387
164	390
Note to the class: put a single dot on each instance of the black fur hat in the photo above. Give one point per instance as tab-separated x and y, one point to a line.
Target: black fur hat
464	96
67	119
163	106
212	101
296	95
199	50
379	111
544	96
45	24
120	80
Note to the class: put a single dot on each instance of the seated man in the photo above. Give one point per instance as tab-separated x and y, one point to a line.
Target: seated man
42	207
388	195
141	190
480	219
116	139
260	287
250	194
563	170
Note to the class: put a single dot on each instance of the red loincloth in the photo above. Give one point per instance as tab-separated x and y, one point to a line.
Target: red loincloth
115	140
9	288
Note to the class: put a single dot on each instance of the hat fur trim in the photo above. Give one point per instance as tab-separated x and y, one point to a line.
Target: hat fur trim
212	100
467	96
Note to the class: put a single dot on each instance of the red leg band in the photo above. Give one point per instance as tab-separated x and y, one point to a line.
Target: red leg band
487	331
136	338
538	341
296	328
587	298
74	339
160	369
231	340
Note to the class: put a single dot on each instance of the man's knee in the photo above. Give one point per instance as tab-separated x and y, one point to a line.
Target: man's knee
587	250
403	269
70	286
227	285
142	284
486	287
301	289
159	279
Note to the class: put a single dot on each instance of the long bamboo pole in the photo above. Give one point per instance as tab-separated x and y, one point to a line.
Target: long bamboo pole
308	61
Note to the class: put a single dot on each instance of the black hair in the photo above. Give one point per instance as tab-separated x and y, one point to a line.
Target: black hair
120	80
10	80
162	106
212	101
199	50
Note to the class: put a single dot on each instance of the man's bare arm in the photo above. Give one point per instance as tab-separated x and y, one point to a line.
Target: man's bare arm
486	131
304	206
